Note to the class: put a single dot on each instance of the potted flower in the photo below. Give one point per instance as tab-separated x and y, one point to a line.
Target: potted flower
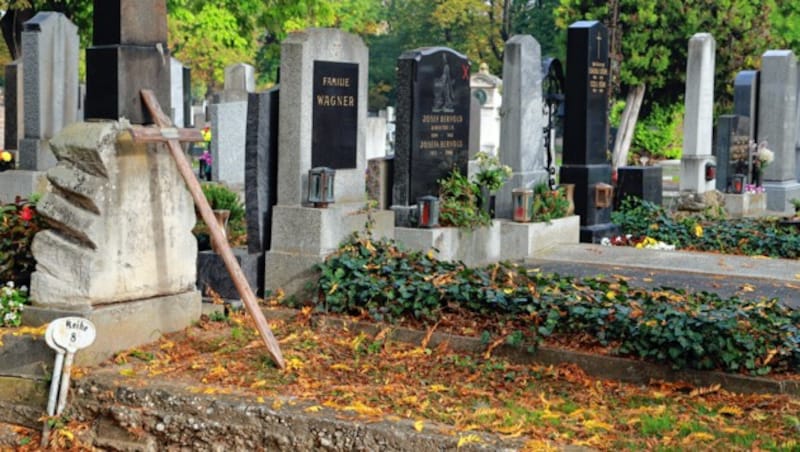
490	177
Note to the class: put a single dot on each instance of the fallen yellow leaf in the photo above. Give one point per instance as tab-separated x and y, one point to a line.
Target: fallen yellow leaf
127	372
698	436
468	439
731	410
419	425
340	366
258	384
313	409
594	424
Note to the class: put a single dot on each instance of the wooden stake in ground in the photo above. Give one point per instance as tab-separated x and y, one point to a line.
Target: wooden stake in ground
172	138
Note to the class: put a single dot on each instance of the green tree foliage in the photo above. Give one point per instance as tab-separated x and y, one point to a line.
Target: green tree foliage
208	37
650	39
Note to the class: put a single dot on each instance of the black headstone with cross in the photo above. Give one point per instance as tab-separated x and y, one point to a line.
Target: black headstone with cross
129	53
586	163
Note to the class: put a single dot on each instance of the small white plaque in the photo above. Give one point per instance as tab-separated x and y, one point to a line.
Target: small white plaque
73	333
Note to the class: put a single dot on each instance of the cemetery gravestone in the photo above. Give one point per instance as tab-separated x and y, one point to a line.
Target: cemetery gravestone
129	53
120	250
50	78
699	117
585	161
324	74
776	126
432	128
521	139
177	92
745	103
260	195
13	105
726	138
229	125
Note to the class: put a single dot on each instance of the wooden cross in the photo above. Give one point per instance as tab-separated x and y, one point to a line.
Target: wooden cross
173	136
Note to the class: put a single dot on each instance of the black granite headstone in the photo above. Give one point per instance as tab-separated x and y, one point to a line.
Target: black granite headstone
129	53
13	74
432	126
334	136
745	102
644	182
585	161
261	168
187	98
723	142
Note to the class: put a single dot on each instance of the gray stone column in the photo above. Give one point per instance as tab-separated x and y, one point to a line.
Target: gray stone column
521	130
699	117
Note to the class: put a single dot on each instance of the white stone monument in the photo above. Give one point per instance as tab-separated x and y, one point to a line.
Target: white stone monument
699	117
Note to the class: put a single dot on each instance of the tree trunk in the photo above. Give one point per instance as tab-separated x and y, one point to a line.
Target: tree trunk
627	124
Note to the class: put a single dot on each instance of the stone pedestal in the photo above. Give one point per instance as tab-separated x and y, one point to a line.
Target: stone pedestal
212	273
304	236
524	240
745	204
780	195
122	326
473	247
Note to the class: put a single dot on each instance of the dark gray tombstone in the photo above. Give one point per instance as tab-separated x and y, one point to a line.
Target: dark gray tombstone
129	53
725	139
645	182
585	162
187	97
745	102
261	168
13	98
433	116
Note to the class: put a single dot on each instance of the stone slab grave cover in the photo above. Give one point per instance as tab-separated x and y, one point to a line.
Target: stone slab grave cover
129	53
776	126
120	244
50	80
699	117
643	182
433	116
521	137
585	162
324	73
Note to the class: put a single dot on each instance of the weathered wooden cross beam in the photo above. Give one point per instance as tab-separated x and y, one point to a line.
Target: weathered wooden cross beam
172	137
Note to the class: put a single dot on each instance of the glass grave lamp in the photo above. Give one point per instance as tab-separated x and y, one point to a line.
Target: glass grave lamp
522	200
428	211
320	186
737	183
711	171
603	195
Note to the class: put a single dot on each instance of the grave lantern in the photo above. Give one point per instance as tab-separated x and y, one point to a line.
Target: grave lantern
522	199
737	183
603	195
320	186
711	171
428	211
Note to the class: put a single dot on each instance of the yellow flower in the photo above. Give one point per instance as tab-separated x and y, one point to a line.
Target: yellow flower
698	230
5	156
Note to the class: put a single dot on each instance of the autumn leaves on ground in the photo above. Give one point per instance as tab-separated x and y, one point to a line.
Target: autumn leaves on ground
371	378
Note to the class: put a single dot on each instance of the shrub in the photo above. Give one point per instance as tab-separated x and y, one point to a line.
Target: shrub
659	134
460	202
549	204
221	197
19	222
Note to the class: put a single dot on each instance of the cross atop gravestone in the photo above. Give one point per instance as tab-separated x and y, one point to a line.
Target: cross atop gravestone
129	53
